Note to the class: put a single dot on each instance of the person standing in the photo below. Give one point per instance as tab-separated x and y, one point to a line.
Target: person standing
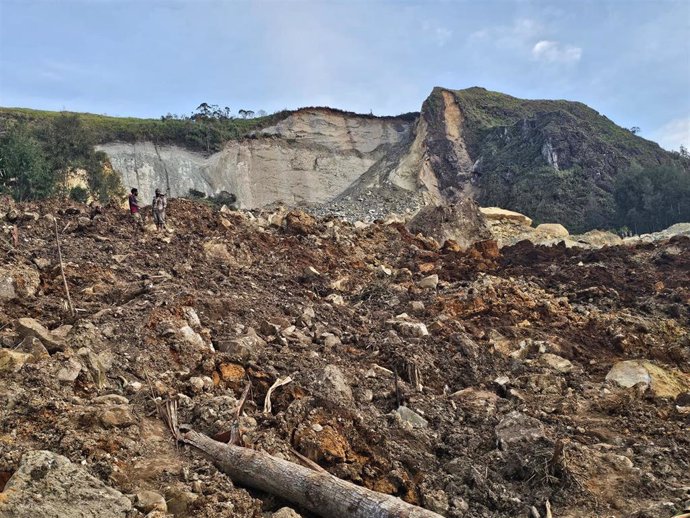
159	205
134	208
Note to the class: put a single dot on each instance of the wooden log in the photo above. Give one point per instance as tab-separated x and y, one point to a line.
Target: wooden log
62	270
319	492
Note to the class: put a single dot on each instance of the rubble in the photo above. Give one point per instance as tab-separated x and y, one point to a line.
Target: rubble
47	484
509	378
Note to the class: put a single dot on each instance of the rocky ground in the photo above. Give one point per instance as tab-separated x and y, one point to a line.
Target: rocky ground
480	383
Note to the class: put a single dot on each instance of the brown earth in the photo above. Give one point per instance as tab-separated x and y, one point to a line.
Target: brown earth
503	427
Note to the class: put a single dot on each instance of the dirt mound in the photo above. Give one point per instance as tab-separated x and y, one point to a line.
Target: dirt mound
481	394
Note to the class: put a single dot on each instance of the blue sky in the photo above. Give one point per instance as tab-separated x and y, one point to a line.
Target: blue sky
630	60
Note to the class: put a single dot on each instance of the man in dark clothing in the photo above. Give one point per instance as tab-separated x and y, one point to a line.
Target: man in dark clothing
159	206
134	208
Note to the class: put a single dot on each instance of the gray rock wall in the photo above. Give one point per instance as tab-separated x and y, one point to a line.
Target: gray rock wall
310	157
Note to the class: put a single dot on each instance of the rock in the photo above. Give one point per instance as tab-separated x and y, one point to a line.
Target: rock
192	317
460	221
12	361
516	428
410	416
415	329
599	238
196	384
335	384
116	416
384	271
437	501
148	501
331	340
336	299
247	347
180	502
93	365
299	222
28	327
556	362
50	486
429	283
551	230
33	346
18	282
311	273
111	399
286	512
232	372
496	213
70	371
477	400
661	382
42	263
416	307
193	338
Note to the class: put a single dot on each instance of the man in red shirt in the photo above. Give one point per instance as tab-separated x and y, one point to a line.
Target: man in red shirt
134	208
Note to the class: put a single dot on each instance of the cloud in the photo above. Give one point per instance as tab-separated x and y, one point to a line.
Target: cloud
556	52
518	35
673	134
441	35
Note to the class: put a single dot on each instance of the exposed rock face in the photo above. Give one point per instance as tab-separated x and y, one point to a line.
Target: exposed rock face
310	157
460	221
49	485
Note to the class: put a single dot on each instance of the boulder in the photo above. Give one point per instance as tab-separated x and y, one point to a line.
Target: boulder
496	213
411	417
335	384
551	230
192	338
247	347
429	283
50	486
116	416
180	502
661	382
149	501
556	362
460	221
33	346
12	361
93	365
18	282
517	428
299	222
69	371
29	327
286	512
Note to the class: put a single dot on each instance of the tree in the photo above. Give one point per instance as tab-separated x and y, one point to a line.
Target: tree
683	151
24	170
635	130
203	110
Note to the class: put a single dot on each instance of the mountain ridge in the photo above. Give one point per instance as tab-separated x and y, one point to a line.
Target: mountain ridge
554	160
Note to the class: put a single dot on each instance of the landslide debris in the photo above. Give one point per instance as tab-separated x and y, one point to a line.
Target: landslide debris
470	382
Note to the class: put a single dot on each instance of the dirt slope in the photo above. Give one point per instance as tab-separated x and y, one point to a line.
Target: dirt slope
501	401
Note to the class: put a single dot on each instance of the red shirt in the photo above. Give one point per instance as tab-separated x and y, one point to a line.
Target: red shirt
133	204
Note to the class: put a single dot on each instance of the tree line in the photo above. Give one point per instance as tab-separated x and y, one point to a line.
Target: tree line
37	161
653	198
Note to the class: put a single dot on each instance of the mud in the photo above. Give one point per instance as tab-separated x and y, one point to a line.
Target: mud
503	428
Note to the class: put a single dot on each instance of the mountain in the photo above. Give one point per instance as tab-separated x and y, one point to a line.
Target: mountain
557	161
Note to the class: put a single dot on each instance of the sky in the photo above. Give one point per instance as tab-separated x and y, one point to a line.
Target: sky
628	59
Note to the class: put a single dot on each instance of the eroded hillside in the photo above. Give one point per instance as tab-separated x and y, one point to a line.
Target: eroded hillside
478	383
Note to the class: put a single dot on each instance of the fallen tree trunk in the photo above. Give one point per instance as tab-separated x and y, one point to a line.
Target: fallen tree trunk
319	492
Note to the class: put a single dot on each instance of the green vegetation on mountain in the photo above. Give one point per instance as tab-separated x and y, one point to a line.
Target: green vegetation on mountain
561	161
204	131
37	161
